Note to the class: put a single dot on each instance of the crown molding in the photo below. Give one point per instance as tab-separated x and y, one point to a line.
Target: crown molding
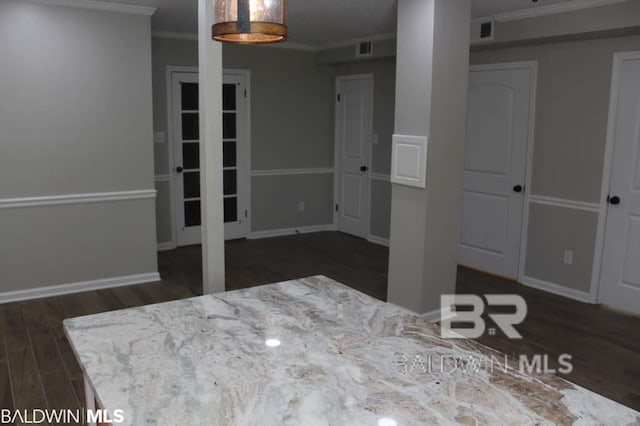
100	5
353	41
291	45
569	6
194	37
175	35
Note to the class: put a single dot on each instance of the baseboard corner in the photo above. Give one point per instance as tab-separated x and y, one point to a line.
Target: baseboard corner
271	233
378	240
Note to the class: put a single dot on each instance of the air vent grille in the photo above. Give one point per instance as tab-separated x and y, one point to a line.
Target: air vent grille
364	49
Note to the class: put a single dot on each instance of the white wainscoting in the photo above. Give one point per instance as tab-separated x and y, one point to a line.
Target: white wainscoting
78	287
563	202
290	172
54	200
163	178
549	286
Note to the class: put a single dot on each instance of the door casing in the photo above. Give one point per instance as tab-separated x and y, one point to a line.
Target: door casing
532	66
338	146
596	277
170	70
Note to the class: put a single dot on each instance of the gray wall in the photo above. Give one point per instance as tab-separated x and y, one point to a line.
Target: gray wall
291	128
384	75
75	118
574	81
291	121
553	229
277	198
620	18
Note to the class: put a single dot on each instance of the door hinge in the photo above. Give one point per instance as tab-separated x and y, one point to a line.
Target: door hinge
336	207
338	97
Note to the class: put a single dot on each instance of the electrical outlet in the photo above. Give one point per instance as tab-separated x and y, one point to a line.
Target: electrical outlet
568	257
301	206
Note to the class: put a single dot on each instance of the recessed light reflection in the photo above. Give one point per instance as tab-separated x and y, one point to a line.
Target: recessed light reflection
272	343
386	421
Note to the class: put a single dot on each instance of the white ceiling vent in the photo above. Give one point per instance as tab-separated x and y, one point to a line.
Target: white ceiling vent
482	30
364	49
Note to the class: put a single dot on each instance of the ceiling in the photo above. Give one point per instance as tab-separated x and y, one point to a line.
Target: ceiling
318	22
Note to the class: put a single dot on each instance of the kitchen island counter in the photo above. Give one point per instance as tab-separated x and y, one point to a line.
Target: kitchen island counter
310	352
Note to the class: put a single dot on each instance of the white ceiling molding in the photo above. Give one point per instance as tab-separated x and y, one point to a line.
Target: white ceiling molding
353	41
569	6
291	45
175	35
99	5
194	37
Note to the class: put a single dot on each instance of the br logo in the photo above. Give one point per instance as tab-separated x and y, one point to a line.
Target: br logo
450	315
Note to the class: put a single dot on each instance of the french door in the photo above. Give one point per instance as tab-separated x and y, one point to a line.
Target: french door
186	157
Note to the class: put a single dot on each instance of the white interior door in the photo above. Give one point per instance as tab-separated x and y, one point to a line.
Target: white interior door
495	168
186	155
620	274
354	111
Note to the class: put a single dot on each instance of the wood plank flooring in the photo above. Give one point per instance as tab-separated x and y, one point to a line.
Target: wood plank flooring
38	368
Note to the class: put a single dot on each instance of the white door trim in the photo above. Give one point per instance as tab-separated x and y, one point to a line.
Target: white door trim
170	70
170	141
618	59
532	66
247	131
336	150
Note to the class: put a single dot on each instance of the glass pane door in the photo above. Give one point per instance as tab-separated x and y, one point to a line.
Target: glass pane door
190	154
230	151
187	158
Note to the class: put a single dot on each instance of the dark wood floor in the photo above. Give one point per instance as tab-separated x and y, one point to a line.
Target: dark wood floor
38	368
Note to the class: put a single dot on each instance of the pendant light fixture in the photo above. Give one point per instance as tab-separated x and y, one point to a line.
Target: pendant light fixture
250	21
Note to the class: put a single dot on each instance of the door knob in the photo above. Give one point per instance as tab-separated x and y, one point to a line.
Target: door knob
363	168
179	169
615	200
518	188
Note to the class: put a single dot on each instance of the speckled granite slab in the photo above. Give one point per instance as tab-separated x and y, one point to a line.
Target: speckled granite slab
344	359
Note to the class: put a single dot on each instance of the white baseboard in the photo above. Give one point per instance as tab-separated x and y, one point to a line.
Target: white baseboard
557	289
78	287
166	246
378	240
291	231
432	316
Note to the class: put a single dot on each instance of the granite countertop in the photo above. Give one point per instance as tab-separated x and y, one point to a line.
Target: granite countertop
343	358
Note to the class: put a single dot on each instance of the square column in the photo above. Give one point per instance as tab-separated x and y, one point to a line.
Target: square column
431	101
210	92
